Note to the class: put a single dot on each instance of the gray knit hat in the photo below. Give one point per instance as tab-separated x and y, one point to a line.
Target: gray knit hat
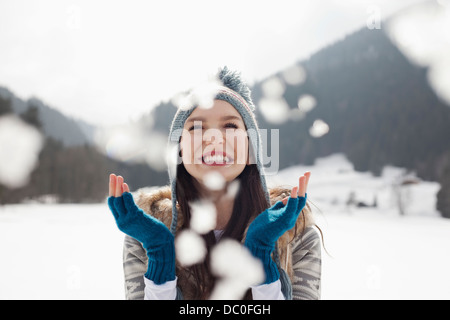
233	90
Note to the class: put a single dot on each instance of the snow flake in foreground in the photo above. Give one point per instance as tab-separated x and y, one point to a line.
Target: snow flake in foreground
201	95
273	106
274	110
419	33
203	216
20	146
319	128
190	248
214	180
294	75
134	142
306	103
273	87
233	188
237	269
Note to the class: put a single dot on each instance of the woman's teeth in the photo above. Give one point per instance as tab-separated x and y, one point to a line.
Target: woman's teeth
216	159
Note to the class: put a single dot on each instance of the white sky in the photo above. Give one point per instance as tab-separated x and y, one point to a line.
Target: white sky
108	61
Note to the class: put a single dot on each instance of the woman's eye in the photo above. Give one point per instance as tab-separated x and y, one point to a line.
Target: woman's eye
195	128
231	125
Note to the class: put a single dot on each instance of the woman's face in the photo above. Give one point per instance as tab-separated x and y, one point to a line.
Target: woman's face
214	139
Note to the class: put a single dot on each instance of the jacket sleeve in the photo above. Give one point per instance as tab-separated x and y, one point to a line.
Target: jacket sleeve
307	266
134	267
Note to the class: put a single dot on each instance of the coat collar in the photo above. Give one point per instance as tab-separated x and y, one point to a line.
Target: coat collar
158	203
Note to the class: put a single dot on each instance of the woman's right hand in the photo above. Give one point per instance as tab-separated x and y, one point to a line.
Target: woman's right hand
116	186
155	237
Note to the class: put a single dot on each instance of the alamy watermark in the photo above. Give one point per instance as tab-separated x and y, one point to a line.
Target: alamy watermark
374	17
73	21
73	280
248	146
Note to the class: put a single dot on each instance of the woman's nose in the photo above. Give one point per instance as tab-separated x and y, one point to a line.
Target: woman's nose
213	136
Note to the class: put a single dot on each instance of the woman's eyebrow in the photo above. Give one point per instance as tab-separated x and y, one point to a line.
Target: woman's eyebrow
195	119
231	118
223	118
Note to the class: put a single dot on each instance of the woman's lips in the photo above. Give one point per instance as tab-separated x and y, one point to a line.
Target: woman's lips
216	159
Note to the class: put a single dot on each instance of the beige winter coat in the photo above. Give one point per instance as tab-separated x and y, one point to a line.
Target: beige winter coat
300	255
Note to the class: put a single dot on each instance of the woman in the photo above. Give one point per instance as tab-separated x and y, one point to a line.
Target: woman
274	225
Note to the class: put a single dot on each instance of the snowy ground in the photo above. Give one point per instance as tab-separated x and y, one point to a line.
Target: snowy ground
60	252
52	251
374	253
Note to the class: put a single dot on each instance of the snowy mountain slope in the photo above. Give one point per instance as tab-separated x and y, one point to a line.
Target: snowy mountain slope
333	180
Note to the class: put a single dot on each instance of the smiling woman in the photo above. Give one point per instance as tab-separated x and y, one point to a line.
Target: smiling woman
273	227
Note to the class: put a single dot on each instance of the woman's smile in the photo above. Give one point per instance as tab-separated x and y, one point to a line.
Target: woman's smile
217	159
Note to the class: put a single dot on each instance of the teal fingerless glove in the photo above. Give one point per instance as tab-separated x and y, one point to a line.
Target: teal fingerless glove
152	233
267	228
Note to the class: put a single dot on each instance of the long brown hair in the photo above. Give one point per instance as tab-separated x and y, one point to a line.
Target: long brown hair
249	201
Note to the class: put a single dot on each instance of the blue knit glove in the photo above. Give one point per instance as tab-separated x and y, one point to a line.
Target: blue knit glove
267	227
152	233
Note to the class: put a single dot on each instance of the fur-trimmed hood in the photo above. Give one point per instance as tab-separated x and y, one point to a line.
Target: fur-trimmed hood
158	203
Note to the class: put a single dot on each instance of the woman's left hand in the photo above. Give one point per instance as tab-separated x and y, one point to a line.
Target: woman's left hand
302	186
271	224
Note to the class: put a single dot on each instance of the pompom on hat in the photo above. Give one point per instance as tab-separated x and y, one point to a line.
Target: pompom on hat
232	89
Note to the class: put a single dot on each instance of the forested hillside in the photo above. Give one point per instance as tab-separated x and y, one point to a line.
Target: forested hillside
379	107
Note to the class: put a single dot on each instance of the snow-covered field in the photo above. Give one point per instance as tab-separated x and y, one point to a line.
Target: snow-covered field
52	251
60	252
374	253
